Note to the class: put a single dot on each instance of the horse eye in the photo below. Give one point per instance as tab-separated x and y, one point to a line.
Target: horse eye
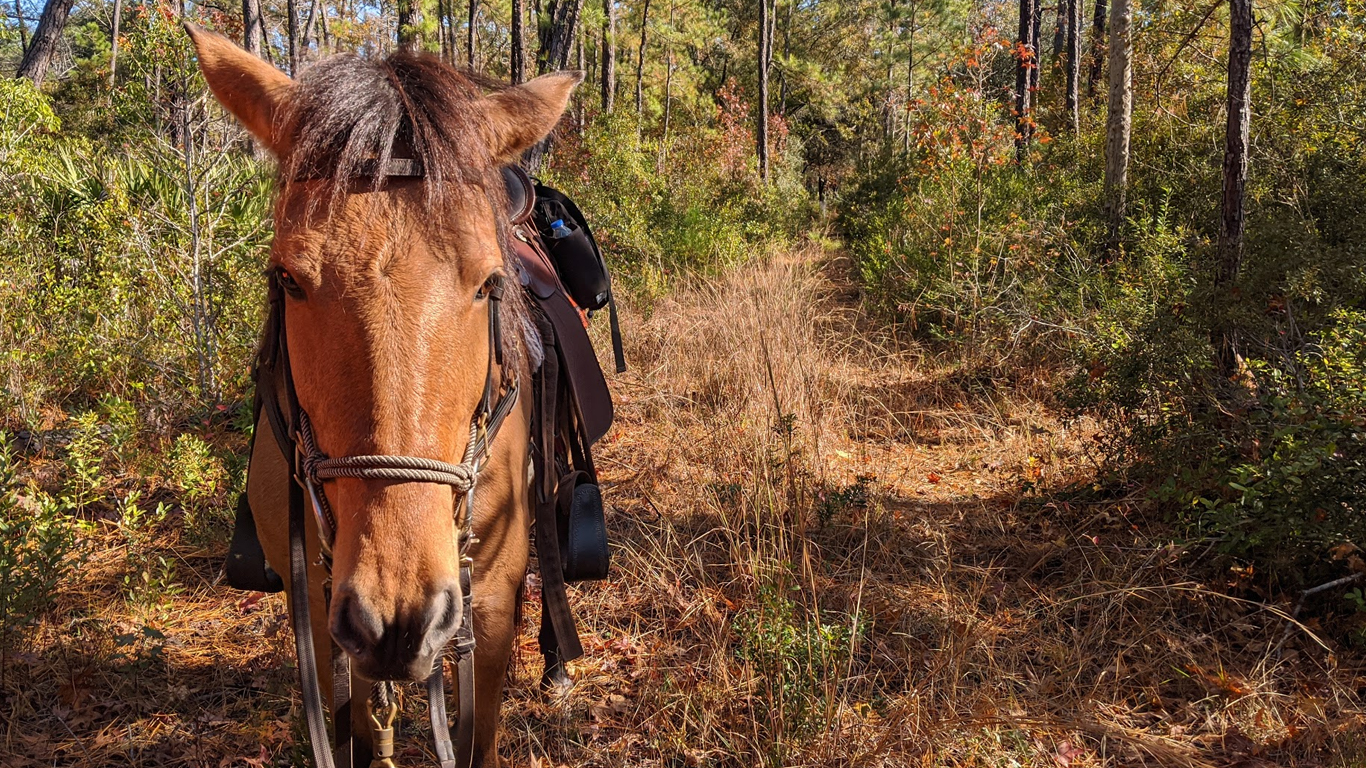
288	282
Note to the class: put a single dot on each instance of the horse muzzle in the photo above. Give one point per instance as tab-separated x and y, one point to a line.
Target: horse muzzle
399	644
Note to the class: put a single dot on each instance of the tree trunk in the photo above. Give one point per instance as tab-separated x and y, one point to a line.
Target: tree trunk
1119	120
251	26
640	59
1072	65
23	28
1024	120
787	52
324	45
557	37
609	56
517	67
1060	30
292	26
472	36
309	25
114	43
1097	48
1235	173
1035	71
761	134
38	57
407	23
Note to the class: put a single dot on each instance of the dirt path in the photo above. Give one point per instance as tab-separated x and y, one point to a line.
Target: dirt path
829	550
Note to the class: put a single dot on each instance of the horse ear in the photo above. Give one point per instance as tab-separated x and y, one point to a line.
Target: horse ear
251	89
524	114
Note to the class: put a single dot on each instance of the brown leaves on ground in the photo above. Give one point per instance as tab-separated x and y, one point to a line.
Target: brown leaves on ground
768	607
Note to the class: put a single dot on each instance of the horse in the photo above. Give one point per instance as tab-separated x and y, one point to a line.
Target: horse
389	253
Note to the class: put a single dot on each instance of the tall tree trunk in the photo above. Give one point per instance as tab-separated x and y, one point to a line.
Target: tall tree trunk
114	43
251	26
787	52
517	67
309	25
408	12
472	36
292	26
1073	60
23	28
324	45
761	134
1024	120
640	59
1097	48
1235	174
1035	71
609	56
38	56
1119	120
1060	30
557	37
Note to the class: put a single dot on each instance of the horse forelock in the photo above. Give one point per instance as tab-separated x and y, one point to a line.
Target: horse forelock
349	115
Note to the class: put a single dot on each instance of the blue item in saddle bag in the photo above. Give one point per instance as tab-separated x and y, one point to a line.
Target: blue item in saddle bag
559	230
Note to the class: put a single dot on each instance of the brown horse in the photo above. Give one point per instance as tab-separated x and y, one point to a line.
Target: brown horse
385	284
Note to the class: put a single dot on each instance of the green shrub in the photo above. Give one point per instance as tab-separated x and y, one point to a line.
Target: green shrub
792	653
38	548
1296	484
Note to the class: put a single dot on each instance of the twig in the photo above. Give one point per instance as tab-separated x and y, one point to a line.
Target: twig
1299	604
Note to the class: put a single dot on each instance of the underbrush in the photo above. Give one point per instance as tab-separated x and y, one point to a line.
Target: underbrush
1012	265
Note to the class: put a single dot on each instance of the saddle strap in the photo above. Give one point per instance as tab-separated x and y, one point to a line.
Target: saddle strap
554	598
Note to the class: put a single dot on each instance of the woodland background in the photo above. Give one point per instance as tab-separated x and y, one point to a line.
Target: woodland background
999	390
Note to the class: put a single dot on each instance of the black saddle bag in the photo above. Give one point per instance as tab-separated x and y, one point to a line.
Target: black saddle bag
576	255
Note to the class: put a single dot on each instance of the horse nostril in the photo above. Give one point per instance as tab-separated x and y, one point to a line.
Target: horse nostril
354	626
445	612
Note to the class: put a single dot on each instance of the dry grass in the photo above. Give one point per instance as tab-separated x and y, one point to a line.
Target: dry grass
771	608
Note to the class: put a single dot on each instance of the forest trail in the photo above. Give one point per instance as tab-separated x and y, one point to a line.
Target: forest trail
830	549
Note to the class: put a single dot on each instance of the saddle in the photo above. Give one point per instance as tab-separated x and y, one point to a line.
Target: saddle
563	273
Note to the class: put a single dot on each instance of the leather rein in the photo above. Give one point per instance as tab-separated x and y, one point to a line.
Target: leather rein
310	468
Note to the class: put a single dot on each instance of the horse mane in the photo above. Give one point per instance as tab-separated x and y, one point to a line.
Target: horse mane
350	115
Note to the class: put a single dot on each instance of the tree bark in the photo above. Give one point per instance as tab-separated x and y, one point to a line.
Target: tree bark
557	37
114	43
1119	120
1060	30
1235	173
1073	72
1024	80
517	67
1035	71
640	59
38	56
23	28
1097	48
251	26
609	56
309	26
761	132
292	26
472	38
